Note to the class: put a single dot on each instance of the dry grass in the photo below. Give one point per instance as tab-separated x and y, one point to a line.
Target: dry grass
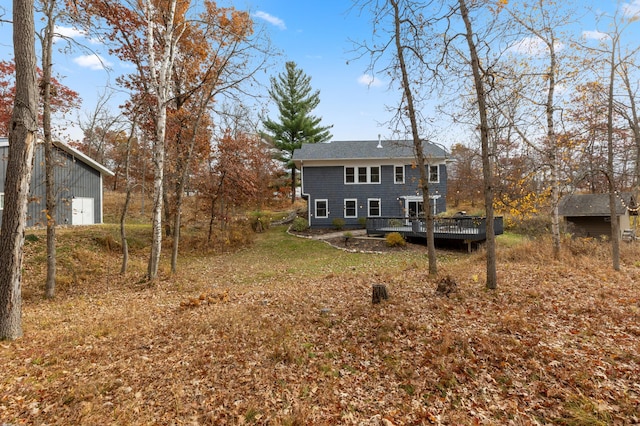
283	332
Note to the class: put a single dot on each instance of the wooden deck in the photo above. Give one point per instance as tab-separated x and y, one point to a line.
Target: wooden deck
468	229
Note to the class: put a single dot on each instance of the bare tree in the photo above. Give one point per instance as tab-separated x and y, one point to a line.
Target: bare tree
46	39
479	78
22	139
401	28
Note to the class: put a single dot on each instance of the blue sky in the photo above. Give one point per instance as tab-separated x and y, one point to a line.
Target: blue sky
313	33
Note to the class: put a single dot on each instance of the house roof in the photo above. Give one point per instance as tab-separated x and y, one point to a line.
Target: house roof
592	204
4	141
365	150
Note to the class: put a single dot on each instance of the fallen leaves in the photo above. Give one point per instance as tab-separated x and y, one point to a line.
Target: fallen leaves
554	344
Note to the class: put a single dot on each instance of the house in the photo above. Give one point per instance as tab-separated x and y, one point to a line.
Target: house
353	180
78	186
588	215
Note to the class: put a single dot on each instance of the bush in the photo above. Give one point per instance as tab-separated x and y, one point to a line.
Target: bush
260	221
338	223
362	221
534	226
395	239
300	224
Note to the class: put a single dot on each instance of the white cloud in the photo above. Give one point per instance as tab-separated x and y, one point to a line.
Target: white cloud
93	62
594	35
532	46
631	9
273	20
67	32
369	80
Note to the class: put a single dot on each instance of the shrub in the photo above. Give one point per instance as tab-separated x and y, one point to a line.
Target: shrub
260	221
300	224
362	221
338	223
531	226
395	239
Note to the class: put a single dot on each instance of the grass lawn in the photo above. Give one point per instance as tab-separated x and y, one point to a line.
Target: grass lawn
283	332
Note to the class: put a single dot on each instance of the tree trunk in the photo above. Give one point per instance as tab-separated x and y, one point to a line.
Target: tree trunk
487	167
615	226
379	293
553	146
417	144
127	200
160	74
49	162
22	138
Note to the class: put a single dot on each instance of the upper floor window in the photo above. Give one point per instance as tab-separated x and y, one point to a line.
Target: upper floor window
1	200
434	174
363	174
398	172
322	208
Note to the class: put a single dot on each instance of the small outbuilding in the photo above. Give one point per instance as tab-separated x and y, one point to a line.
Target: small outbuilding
588	215
78	186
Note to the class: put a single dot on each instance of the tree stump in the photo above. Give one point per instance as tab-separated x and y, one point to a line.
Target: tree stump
379	293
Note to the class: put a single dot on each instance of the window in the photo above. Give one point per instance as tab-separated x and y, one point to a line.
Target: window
374	175
349	175
322	208
434	174
1	201
364	174
374	207
350	208
399	174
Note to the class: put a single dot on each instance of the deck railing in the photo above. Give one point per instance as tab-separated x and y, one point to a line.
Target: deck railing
463	227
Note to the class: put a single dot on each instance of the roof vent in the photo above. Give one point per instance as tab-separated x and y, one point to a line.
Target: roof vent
379	141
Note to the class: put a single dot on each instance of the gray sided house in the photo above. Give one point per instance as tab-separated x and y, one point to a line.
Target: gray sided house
588	215
78	186
353	180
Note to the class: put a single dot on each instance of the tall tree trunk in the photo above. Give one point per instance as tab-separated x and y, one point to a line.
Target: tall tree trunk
49	162
160	74
127	200
22	138
487	166
417	143
615	226
553	146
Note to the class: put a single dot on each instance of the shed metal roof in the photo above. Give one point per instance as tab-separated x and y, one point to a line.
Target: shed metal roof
365	150
592	204
4	141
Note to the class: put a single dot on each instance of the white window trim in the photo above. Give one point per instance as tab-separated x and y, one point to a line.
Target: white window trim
356	175
1	201
316	207
437	166
369	200
355	201
394	175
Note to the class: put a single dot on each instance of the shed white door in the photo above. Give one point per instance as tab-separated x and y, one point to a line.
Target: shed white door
82	211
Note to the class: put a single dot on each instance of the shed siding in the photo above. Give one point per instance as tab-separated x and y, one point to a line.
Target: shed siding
595	226
327	183
73	178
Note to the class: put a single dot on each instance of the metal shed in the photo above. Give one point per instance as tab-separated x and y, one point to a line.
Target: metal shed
589	216
78	186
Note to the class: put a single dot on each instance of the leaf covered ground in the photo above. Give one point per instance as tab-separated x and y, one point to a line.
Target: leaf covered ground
284	333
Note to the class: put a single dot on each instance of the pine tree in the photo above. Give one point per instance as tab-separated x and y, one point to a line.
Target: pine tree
292	92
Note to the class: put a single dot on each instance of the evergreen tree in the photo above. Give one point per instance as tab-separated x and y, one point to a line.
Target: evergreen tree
292	92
